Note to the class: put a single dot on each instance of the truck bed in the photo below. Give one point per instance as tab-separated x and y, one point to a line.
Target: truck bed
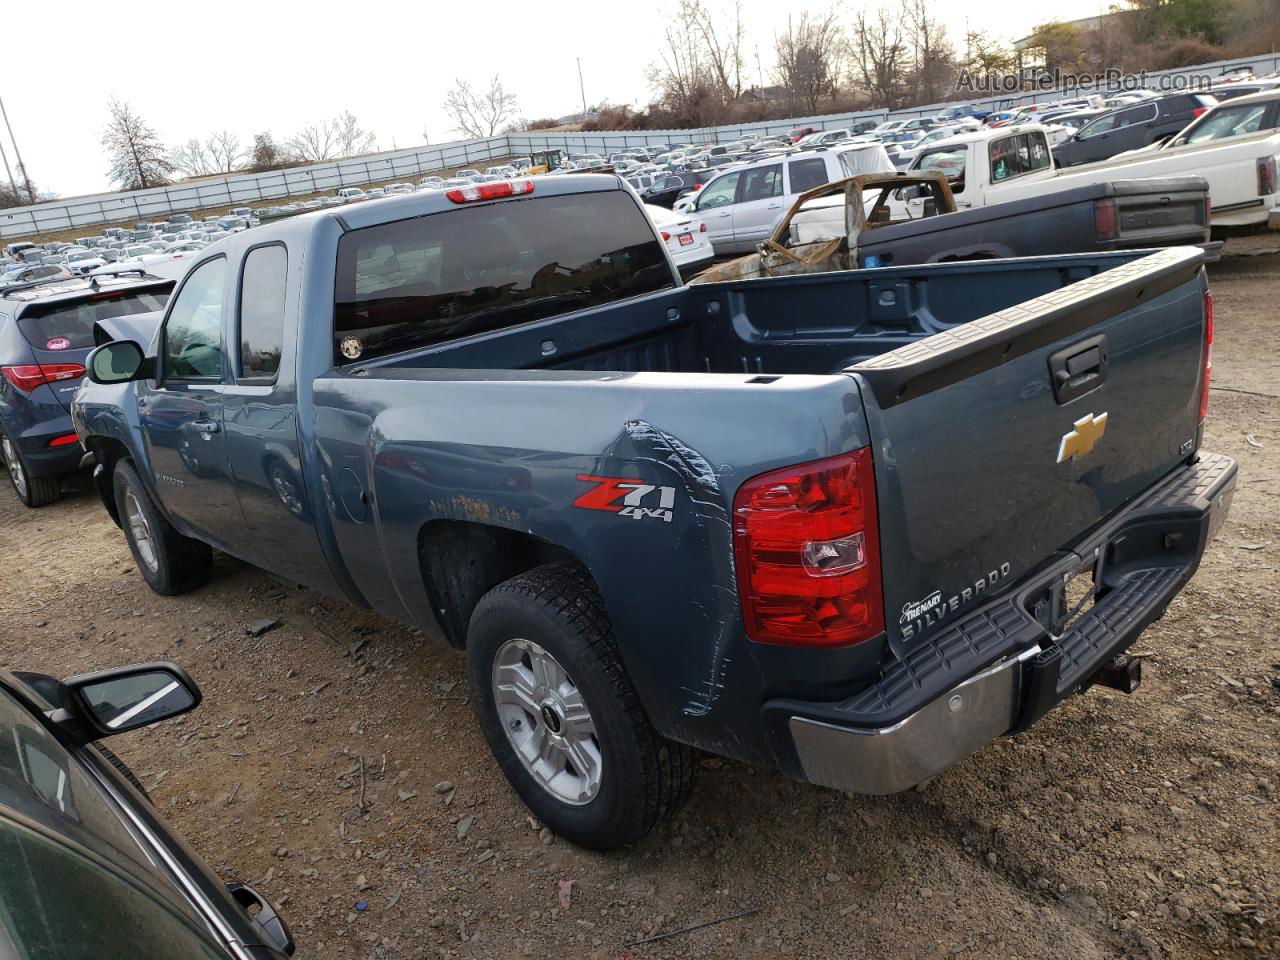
792	325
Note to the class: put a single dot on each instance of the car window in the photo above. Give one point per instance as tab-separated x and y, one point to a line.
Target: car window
760	183
719	193
57	902
69	326
1228	121
1018	155
43	782
1108	121
1140	114
193	331
807	174
412	283
262	291
951	161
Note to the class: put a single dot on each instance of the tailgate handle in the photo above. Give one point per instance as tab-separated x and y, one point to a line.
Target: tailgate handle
1079	368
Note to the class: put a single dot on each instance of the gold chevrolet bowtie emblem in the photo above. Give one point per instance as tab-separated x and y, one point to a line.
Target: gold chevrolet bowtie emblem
1081	438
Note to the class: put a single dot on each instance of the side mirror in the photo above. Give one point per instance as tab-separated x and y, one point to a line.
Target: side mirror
117	362
126	698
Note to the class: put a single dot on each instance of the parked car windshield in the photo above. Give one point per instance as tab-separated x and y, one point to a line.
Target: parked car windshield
1228	121
74	322
412	283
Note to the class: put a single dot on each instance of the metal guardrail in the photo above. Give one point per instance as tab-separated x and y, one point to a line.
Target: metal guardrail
250	189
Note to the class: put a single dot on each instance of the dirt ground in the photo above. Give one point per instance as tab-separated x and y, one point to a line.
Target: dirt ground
335	761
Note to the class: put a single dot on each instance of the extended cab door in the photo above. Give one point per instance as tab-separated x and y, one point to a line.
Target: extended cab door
260	419
181	412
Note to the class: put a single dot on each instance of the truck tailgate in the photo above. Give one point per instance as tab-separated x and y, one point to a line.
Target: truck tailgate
1000	443
1159	211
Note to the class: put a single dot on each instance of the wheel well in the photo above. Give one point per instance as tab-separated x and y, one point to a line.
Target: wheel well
107	451
462	561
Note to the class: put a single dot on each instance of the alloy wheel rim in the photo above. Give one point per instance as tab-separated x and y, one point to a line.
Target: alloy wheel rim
546	720
16	474
140	530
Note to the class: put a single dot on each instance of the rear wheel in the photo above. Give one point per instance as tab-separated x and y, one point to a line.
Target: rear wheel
32	491
561	716
168	561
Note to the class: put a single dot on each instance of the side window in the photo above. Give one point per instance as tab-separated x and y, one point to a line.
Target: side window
720	193
193	333
1137	115
761	183
807	174
1101	125
951	161
262	288
1018	155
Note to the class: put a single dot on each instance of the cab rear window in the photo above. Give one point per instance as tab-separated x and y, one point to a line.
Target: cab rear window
413	283
69	325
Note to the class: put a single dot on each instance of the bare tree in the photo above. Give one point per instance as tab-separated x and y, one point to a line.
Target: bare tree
683	78
315	142
879	55
21	191
191	159
808	58
350	139
933	65
225	154
480	113
138	158
723	47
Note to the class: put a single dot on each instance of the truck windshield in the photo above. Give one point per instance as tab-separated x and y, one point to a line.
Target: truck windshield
413	283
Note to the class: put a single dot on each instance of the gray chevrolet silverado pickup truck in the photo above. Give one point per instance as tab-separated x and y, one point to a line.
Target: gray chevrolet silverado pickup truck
852	525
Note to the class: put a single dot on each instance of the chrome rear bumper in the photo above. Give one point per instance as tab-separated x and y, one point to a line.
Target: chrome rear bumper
939	734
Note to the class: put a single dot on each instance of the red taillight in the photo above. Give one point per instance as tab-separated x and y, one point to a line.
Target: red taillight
665	235
1208	355
1104	218
702	228
27	376
807	546
489	191
697	186
1266	176
66	441
1197	111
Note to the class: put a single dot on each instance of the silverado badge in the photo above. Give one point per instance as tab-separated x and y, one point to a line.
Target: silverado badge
1081	438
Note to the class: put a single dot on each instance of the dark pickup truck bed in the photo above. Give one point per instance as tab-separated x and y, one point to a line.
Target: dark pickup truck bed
1118	215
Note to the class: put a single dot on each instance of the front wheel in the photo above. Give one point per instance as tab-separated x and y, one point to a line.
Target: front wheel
168	561
561	716
32	491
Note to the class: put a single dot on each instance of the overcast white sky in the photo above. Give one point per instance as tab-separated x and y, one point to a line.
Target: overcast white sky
191	69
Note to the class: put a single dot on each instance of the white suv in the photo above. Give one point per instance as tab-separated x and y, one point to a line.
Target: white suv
741	205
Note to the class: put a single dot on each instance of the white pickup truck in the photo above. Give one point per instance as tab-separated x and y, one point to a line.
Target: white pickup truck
1013	163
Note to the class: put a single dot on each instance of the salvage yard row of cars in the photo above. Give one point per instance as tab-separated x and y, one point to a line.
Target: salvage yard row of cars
855	620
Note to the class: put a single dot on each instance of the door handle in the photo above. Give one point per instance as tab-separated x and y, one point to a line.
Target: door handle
206	426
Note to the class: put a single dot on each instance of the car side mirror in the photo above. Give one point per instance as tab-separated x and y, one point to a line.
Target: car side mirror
117	362
126	698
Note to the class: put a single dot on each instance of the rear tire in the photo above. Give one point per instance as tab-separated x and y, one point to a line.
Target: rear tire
168	561
32	491
125	772
561	716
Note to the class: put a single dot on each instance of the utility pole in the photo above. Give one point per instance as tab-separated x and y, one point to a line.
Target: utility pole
583	90
8	172
22	167
759	72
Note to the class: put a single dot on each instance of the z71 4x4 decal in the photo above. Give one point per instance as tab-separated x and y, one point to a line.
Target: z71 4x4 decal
628	497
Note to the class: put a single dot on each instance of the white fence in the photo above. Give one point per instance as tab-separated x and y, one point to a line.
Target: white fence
254	188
